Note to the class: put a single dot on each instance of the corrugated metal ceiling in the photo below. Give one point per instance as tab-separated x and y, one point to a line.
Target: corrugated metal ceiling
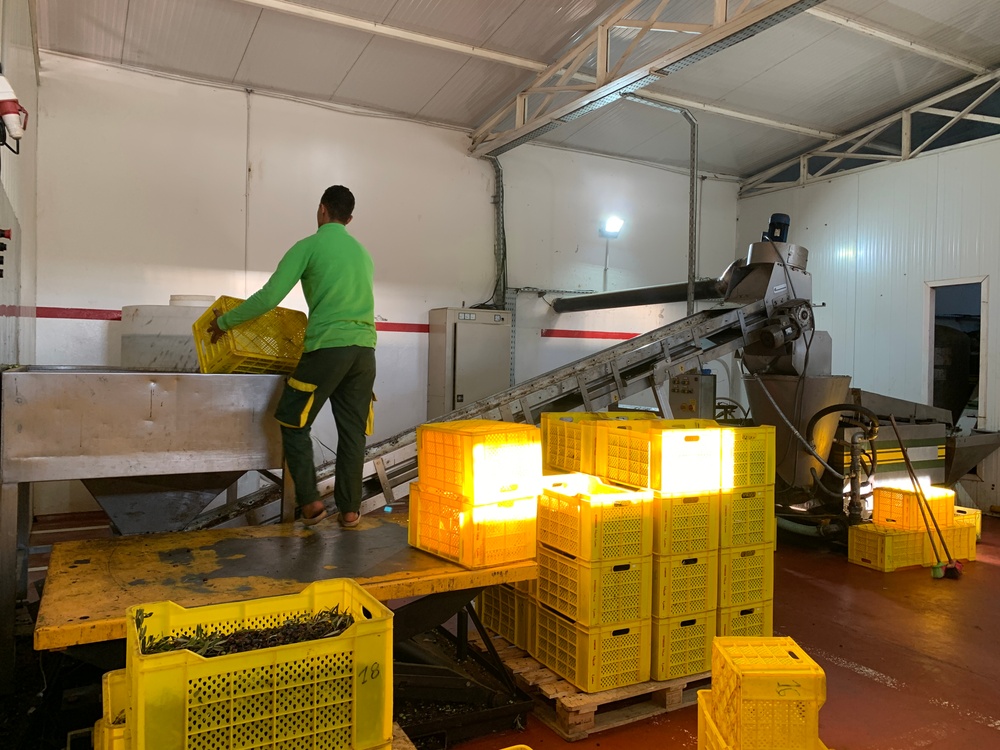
806	71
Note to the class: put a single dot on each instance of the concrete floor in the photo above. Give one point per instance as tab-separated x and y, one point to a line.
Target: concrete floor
911	662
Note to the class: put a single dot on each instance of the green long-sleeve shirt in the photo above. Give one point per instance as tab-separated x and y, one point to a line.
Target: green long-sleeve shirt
337	278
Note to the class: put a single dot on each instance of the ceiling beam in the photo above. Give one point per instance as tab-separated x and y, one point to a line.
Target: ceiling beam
909	143
681	28
716	39
380	29
736	114
894	37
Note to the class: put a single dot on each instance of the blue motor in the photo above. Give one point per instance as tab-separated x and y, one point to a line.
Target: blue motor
777	230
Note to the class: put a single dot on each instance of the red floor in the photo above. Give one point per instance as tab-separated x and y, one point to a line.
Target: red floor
911	662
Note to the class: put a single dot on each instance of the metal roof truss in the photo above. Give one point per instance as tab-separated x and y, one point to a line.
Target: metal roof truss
943	120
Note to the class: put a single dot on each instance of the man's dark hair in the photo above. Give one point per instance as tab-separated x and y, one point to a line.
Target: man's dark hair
339	202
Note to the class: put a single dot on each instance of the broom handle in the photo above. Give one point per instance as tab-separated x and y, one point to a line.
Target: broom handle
916	488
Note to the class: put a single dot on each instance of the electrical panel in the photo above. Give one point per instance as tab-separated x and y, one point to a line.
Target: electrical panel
692	395
468	357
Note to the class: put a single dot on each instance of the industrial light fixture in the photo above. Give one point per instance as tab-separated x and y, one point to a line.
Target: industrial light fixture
612	226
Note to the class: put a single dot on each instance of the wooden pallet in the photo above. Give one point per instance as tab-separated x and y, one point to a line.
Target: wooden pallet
575	715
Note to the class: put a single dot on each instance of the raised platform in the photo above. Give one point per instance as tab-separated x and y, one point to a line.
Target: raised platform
91	583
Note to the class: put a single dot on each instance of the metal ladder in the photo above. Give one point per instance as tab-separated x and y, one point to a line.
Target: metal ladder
593	383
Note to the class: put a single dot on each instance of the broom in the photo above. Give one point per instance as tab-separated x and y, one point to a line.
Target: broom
953	569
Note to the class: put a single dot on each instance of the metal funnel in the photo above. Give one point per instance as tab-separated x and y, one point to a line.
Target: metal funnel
967	451
798	398
142	505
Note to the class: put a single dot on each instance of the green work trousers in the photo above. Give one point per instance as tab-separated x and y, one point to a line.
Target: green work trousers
344	376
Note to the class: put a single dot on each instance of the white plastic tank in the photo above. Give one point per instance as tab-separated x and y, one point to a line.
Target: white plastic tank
158	337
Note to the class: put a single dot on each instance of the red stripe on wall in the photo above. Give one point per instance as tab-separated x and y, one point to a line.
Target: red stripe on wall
567	333
83	313
403	327
78	313
16	311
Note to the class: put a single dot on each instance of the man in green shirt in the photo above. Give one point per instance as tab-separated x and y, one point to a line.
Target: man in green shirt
338	360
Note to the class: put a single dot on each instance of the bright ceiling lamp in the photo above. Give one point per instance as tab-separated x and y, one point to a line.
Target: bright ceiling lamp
612	226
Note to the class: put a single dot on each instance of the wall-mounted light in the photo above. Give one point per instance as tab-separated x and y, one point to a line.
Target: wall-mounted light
612	226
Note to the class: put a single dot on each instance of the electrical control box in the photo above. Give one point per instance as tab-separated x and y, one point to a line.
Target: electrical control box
468	357
692	395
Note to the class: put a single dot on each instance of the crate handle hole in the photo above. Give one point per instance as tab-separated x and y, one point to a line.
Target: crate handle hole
621	631
690	561
620	568
745	612
793	655
366	613
691	438
689	500
687	623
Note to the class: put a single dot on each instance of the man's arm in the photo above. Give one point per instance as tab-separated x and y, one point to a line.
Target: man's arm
286	275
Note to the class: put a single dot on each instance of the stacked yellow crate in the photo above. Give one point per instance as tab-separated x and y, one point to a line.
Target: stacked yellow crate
475	499
766	695
747	533
683	462
568	438
594	590
897	537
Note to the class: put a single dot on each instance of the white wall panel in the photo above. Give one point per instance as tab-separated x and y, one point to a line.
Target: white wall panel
897	230
140	195
19	173
555	202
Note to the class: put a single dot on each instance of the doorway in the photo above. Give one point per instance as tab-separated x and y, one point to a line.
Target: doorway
957	350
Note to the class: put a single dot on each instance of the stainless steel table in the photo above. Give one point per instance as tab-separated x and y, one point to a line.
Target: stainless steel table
59	423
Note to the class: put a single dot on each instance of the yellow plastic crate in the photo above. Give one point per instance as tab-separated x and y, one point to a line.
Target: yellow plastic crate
753	461
746	575
508	613
107	734
497	609
474	536
767	694
970	517
682	646
685	584
597	658
525	622
708	733
584	517
332	692
567	445
271	343
483	460
897	506
885	549
595	593
685	523
748	620
672	460
747	516
961	541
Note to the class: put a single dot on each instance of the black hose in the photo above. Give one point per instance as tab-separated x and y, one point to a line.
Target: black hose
872	430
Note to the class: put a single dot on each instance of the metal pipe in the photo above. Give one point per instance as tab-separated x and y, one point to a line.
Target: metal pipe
646	295
693	208
693	211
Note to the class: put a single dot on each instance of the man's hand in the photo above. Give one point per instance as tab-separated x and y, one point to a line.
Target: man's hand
213	327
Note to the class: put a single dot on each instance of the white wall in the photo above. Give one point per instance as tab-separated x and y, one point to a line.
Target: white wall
18	178
151	186
556	201
877	241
